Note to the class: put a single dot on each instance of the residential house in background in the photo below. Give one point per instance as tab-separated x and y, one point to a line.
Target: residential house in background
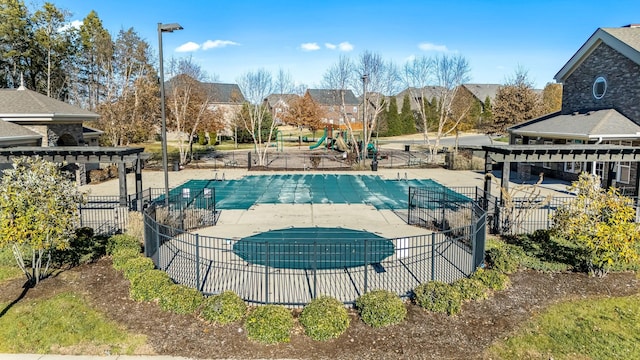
600	105
482	92
416	95
227	98
278	105
332	102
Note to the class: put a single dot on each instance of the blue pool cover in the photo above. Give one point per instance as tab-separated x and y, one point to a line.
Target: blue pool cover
314	248
243	193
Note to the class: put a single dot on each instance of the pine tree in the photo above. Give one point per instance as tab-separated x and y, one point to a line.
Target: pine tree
394	125
406	116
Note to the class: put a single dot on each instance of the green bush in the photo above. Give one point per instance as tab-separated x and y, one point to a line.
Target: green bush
471	289
136	266
269	324
181	299
120	257
324	318
380	308
121	241
505	258
494	280
439	297
223	308
149	285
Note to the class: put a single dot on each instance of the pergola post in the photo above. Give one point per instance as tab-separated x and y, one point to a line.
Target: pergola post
138	167
488	168
504	179
122	182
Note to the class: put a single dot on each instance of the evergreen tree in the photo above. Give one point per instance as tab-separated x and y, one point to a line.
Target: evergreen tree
406	115
394	125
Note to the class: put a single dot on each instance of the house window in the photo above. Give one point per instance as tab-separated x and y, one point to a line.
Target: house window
355	109
573	167
599	87
624	172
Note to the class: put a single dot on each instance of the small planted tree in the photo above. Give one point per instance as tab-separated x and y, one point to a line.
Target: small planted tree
601	223
38	213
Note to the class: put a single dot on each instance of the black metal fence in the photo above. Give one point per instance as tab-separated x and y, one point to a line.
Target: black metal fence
212	265
320	160
104	214
294	272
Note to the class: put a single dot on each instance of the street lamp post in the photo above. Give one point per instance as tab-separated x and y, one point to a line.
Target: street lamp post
364	117
165	167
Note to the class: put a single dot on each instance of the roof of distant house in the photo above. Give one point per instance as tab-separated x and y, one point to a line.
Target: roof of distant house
333	97
625	40
224	93
483	91
607	123
285	98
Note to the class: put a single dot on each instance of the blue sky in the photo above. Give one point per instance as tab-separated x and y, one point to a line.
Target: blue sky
231	37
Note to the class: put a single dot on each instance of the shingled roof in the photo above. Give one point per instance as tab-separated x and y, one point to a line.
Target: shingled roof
625	40
591	125
482	91
13	131
24	104
224	93
332	97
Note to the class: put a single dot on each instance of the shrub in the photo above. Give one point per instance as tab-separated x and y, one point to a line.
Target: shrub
471	289
135	226
494	280
137	265
122	241
269	324
324	318
380	308
439	297
122	255
180	299
223	308
149	285
602	223
504	258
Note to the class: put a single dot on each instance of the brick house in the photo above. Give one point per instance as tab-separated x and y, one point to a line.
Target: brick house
229	99
332	102
600	105
278	105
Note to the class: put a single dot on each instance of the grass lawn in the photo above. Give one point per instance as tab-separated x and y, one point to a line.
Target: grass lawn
583	329
62	324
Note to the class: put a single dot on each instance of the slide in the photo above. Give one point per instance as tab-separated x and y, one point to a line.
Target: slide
320	141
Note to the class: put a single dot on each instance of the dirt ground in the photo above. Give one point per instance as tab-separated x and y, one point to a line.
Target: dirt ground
422	336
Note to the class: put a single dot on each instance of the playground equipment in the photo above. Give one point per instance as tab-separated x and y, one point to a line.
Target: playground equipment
320	141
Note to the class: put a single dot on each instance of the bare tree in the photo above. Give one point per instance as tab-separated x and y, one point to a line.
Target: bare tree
446	73
341	77
255	117
188	102
382	79
131	104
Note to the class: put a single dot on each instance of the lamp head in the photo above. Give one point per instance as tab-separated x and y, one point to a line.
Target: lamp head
169	27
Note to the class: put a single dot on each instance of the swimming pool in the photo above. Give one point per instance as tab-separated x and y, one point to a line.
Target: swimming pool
314	248
241	194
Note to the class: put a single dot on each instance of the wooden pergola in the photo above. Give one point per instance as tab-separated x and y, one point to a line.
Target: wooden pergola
507	154
87	155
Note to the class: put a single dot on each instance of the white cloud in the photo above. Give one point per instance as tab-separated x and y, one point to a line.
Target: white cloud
75	24
410	58
345	46
432	47
188	47
310	46
212	44
330	46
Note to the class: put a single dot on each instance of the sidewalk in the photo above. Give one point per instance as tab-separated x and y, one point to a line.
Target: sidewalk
88	357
